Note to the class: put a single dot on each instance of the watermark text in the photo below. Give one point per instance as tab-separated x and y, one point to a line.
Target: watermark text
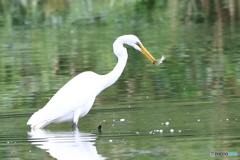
213	154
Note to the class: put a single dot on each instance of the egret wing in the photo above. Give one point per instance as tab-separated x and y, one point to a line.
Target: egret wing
72	96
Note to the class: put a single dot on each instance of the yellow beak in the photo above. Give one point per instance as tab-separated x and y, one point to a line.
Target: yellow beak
146	53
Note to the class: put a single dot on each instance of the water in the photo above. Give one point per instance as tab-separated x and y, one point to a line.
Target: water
129	132
184	108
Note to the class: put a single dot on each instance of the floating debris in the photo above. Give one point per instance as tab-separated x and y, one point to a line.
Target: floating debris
99	127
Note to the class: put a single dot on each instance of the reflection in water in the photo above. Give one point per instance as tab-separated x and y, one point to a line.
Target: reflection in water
66	145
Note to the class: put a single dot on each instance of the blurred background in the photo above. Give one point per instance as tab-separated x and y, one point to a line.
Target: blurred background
44	43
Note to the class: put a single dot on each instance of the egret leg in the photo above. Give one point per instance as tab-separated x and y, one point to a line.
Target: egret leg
74	126
76	118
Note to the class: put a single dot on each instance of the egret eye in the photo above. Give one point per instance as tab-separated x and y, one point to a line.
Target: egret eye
137	43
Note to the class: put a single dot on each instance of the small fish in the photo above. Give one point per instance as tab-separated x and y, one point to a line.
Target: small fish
159	61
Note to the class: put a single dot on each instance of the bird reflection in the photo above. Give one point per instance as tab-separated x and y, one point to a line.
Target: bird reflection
66	145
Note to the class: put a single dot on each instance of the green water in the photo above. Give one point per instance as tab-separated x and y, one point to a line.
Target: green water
182	109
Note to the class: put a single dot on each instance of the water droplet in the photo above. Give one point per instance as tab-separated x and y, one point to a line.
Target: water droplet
122	120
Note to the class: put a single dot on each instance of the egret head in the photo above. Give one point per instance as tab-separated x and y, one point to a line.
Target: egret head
133	41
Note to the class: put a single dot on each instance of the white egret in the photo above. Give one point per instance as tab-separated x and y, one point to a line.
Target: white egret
76	97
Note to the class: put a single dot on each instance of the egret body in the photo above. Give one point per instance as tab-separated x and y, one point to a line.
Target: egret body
76	97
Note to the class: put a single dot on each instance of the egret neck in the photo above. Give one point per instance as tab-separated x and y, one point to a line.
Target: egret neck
121	53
